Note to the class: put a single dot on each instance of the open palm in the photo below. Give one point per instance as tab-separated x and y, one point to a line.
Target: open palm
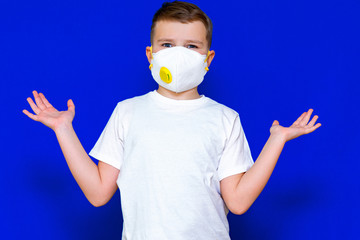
47	114
300	127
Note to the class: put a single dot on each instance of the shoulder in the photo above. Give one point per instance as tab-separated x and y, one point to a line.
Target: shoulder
129	103
226	112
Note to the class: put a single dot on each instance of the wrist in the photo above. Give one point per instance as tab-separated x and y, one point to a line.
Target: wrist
279	136
64	127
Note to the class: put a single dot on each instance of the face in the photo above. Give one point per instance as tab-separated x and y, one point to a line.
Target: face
172	33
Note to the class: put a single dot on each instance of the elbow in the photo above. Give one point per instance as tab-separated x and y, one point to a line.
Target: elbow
239	209
98	202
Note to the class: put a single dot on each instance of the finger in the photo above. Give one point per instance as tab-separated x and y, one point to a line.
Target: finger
71	106
313	128
313	121
276	122
306	118
45	101
299	119
30	115
38	101
33	106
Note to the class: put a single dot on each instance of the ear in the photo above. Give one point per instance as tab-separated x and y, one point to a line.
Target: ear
210	57
149	54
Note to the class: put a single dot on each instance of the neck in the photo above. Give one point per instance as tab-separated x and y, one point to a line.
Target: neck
186	95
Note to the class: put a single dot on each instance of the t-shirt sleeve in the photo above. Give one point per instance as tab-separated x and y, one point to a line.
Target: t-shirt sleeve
109	147
236	157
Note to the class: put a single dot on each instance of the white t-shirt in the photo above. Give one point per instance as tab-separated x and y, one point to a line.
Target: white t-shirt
172	155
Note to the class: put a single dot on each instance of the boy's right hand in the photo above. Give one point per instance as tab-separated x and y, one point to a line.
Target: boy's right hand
47	114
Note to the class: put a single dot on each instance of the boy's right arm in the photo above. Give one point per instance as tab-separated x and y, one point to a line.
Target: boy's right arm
98	182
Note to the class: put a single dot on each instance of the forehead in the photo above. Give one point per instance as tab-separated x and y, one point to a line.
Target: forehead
180	31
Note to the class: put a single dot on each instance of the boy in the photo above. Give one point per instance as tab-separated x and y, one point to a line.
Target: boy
180	160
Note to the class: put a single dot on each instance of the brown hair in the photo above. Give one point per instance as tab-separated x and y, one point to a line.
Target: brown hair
183	12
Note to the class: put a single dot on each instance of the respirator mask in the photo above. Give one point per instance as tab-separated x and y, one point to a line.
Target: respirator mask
178	69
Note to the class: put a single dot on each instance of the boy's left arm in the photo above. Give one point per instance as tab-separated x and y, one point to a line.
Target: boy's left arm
241	190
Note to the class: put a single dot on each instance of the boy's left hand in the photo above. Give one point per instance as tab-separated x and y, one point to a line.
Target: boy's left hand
300	127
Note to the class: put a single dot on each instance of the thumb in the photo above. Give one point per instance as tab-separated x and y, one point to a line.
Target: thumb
71	105
276	122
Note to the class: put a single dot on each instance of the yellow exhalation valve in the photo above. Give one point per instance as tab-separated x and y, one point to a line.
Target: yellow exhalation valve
165	75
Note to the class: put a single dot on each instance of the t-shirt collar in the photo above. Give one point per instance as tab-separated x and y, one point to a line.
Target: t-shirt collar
170	101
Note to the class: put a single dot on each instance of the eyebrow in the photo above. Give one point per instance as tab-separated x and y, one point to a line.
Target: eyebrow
187	41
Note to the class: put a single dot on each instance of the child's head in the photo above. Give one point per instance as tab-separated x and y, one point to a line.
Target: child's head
184	25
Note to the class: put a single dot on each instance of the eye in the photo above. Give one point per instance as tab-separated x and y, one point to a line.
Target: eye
192	46
166	45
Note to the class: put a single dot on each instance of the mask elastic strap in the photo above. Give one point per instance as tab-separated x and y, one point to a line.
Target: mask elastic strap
206	68
151	57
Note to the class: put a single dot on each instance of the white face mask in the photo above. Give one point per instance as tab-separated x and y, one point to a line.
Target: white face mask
178	69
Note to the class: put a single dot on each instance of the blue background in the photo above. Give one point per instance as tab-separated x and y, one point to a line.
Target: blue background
274	60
